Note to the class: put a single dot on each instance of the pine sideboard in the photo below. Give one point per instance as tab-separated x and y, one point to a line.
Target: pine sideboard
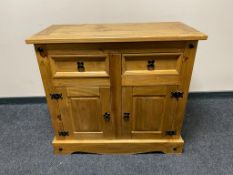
117	88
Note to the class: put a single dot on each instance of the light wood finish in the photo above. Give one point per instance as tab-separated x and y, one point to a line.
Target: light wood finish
89	81
167	67
117	105
67	66
186	78
93	33
115	79
151	80
151	111
164	64
83	92
57	120
106	48
85	107
119	146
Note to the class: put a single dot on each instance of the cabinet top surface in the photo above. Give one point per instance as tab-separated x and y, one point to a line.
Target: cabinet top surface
131	32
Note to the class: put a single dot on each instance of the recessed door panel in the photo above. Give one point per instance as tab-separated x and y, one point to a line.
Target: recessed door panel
86	114
148	113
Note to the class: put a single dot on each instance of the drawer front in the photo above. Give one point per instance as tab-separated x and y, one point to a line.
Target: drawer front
71	66
151	68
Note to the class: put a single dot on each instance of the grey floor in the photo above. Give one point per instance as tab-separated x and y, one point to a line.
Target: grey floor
26	133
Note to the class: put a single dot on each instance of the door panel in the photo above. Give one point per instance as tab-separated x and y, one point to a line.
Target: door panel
86	107
84	118
151	111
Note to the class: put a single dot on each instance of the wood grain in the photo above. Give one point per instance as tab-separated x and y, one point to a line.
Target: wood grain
151	111
115	81
83	109
83	92
65	66
118	48
189	54
94	33
127	106
53	106
86	114
164	63
119	146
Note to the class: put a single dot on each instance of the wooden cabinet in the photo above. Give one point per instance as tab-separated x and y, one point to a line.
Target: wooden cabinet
117	88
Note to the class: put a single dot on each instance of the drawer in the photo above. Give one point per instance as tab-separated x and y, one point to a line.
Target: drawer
151	68
69	66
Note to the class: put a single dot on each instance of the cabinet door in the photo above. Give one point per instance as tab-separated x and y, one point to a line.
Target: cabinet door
147	112
88	112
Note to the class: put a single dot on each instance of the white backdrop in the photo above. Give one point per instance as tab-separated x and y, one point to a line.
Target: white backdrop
19	74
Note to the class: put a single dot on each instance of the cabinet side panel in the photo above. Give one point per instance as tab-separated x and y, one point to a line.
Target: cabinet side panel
189	57
45	72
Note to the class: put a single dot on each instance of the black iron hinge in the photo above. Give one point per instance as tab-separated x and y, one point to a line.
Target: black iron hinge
56	96
63	133
177	94
170	133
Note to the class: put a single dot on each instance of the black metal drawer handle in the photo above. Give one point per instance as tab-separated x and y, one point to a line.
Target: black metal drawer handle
151	65
126	116
80	66
107	116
